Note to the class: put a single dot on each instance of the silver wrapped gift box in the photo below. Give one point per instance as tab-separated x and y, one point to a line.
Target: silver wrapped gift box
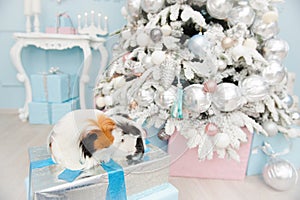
91	184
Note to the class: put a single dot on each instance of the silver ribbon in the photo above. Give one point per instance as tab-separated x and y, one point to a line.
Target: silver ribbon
54	70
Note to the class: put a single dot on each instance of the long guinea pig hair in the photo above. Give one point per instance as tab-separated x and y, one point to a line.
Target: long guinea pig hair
98	138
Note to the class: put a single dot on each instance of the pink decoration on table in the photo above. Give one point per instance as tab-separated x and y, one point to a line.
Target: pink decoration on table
185	163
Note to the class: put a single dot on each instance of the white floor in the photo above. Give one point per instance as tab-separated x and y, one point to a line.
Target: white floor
17	136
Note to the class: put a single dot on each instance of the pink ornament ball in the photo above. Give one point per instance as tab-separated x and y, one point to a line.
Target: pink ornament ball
211	129
210	86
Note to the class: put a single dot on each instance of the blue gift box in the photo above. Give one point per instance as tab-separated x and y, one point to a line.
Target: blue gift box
165	191
279	143
58	110
39	113
54	88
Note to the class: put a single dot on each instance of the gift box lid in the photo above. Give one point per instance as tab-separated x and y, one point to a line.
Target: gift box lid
151	171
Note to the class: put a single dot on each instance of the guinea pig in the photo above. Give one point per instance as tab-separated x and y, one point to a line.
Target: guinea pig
83	139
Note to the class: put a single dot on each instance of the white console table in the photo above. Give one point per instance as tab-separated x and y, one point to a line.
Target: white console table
55	42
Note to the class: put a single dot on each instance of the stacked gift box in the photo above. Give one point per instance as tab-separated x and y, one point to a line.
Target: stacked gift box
145	179
53	95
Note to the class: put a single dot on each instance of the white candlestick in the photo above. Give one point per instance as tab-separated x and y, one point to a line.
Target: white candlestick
92	17
36	23
27	7
28	23
79	21
99	20
85	19
105	23
36	6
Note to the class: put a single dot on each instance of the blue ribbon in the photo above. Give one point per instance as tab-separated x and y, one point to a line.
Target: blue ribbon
69	175
41	163
116	188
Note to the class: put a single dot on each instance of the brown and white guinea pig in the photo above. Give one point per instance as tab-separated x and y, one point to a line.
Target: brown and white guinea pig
84	138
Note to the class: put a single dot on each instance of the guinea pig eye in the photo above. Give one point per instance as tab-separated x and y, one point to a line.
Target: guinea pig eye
122	140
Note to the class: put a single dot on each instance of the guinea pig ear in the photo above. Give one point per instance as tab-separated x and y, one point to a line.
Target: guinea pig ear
106	125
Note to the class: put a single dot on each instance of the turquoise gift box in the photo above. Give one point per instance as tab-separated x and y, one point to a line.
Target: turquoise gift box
279	143
50	113
55	88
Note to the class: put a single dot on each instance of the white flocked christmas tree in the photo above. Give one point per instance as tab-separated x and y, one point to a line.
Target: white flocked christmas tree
206	68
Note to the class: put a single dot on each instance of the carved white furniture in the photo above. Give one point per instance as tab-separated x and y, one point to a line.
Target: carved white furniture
55	42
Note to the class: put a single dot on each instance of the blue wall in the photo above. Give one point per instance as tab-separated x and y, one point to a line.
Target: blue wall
37	60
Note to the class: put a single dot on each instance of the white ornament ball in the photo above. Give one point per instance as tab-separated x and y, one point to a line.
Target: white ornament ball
152	6
147	61
158	57
118	82
166	30
219	9
108	100
100	102
250	43
270	16
227	42
124	11
295	115
142	39
280	174
221	64
222	140
270	127
126	34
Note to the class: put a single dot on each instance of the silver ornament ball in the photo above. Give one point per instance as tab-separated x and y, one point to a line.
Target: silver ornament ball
266	31
156	35
254	88
219	9
274	73
280	174
288	100
270	127
162	135
195	99
198	45
152	6
165	98
243	13
145	97
227	97
133	8
275	49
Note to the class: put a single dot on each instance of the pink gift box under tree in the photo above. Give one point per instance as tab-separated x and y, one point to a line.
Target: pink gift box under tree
185	163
